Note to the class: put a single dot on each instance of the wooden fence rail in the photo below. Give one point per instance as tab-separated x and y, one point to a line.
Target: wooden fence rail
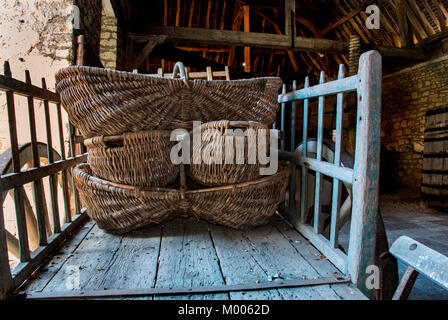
362	178
13	179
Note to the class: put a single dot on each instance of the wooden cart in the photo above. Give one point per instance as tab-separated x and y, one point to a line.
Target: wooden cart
287	259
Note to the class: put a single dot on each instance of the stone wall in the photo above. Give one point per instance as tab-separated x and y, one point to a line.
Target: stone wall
407	95
35	36
109	38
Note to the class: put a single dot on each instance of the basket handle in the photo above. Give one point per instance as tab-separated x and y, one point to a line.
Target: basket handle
180	68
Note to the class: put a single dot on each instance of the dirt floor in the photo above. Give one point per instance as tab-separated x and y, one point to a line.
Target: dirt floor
405	214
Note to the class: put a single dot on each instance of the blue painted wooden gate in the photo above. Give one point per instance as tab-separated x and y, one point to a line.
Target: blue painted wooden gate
358	260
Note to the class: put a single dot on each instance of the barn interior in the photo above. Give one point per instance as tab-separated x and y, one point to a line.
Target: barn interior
410	35
293	40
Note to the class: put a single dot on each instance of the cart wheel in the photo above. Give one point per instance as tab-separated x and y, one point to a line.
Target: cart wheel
327	186
26	161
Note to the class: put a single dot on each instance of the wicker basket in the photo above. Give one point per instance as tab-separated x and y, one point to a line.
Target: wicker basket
119	208
108	102
139	159
241	206
232	170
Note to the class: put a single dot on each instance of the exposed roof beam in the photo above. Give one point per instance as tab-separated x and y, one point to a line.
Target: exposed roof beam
405	34
238	38
262	40
147	49
361	7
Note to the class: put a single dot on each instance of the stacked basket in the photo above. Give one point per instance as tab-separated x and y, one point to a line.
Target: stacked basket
127	120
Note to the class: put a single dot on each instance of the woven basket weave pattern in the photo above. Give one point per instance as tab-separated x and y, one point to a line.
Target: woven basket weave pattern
120	208
241	206
214	134
108	102
143	159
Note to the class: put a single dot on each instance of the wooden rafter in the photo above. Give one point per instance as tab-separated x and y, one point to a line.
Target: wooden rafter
347	17
405	35
147	49
291	55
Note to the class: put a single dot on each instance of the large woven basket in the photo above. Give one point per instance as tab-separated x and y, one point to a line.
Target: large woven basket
242	206
221	139
140	159
108	102
120	208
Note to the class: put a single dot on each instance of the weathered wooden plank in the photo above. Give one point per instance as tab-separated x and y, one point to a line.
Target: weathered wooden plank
328	169
188	259
317	261
93	255
290	17
49	270
239	265
26	90
260	254
134	262
426	261
18	193
325	89
366	171
24	270
336	256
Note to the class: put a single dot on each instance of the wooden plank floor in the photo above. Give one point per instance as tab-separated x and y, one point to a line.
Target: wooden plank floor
188	253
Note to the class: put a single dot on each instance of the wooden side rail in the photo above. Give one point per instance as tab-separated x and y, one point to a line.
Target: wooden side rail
45	236
362	179
420	260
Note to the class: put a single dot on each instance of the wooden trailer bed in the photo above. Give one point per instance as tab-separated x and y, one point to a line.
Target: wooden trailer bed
191	256
186	253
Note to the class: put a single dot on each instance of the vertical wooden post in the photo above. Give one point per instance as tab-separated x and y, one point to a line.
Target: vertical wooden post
227	71
336	197
209	73
6	282
318	219
80	53
247	65
18	192
290	18
52	179
361	253
282	119
304	184
292	183
38	189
